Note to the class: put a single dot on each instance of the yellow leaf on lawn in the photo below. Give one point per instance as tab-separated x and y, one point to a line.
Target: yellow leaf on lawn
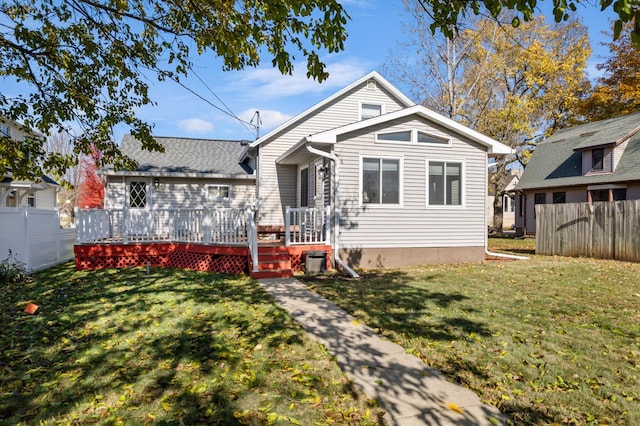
355	322
455	408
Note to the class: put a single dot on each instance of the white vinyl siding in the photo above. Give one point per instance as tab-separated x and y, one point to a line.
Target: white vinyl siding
278	184
414	224
185	193
46	199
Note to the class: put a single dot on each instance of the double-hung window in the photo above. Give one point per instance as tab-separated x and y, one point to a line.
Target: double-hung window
444	185
597	159
380	180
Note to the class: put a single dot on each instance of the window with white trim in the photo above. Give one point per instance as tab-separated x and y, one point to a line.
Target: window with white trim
137	194
370	111
31	200
402	136
380	180
217	192
423	137
413	136
444	185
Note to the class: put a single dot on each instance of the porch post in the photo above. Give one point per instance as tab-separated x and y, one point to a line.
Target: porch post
287	226
125	228
327	225
206	225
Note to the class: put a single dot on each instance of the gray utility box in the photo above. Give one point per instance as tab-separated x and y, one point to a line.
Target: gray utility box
315	262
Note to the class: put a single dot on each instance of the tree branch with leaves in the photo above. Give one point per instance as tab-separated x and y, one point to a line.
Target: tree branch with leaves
89	63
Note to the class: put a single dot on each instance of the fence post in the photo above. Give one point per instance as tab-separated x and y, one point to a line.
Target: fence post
27	239
58	235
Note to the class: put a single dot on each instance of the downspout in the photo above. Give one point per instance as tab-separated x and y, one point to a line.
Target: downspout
336	221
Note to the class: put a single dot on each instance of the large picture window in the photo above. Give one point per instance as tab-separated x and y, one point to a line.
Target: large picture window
445	183
380	181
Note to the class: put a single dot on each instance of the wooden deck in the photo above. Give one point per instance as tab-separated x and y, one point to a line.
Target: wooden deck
274	258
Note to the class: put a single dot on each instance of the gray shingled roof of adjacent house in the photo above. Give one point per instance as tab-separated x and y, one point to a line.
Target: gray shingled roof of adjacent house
557	162
187	157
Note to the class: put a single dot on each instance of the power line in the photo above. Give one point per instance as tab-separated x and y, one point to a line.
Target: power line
229	112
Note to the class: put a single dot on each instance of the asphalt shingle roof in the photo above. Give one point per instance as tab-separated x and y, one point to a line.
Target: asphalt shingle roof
187	156
557	162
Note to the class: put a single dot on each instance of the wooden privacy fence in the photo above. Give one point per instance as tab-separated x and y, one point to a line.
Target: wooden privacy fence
600	230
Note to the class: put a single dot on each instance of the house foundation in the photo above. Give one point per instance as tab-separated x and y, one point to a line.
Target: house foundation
374	258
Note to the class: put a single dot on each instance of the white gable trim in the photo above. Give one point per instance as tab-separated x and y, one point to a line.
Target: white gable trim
372	75
494	147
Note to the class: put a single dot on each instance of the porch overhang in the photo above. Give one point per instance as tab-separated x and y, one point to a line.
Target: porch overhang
299	154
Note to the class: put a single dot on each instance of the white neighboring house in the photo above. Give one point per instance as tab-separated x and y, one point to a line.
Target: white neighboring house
29	220
22	193
508	201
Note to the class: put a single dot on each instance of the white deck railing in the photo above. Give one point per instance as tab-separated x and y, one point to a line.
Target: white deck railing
204	226
307	225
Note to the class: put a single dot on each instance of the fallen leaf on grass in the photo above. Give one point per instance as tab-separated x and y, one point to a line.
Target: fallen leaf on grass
455	408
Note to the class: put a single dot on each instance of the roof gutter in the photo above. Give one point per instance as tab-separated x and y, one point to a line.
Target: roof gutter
334	210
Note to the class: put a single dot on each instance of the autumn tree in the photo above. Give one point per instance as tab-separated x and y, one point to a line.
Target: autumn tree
447	15
90	191
530	89
89	63
515	85
617	92
63	144
431	65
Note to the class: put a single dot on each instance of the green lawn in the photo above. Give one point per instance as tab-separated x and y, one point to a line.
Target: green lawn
172	347
549	340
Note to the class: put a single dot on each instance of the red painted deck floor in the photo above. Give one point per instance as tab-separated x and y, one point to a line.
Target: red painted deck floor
274	260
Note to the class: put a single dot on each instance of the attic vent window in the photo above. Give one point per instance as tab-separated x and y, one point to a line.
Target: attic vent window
371	85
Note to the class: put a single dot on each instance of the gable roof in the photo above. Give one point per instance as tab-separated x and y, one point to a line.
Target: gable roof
371	76
8	180
185	157
557	162
492	145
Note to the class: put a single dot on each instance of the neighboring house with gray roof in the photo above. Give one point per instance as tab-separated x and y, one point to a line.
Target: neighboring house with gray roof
190	173
592	162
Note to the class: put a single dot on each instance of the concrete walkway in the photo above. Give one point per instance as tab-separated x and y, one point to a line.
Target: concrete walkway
411	392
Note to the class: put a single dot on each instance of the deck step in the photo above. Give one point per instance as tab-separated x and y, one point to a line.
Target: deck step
274	264
272	273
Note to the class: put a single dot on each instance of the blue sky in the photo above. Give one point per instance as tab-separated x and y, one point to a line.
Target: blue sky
375	29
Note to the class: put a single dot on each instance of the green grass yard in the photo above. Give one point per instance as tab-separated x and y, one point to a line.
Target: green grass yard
549	341
172	347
